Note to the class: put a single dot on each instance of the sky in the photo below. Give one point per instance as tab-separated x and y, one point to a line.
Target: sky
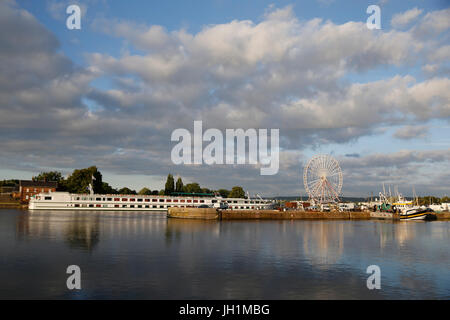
111	93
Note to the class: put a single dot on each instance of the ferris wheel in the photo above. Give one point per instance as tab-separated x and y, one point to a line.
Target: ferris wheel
322	177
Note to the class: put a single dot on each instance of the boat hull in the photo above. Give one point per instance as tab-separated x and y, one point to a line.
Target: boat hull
426	214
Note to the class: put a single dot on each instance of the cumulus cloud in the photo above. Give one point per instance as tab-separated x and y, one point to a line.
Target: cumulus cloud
278	73
280	70
369	172
402	19
411	132
433	24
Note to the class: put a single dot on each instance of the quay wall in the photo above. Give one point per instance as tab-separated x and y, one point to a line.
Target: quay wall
445	215
291	214
211	213
6	201
193	213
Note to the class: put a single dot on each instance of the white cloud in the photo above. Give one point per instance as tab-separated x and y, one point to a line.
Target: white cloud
278	73
411	132
433	24
400	20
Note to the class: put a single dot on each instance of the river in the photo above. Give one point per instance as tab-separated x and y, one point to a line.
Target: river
129	255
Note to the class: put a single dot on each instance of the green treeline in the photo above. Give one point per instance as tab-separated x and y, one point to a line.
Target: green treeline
80	179
423	201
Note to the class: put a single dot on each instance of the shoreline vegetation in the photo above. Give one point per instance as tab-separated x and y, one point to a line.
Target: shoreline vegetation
80	179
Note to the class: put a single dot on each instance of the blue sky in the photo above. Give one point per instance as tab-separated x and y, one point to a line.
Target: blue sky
376	100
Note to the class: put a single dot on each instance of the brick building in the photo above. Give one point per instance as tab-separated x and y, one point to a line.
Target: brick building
28	188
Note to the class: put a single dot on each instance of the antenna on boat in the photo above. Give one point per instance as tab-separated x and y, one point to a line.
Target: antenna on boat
415	196
91	188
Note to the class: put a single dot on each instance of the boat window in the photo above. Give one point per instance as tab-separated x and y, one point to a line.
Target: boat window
48	198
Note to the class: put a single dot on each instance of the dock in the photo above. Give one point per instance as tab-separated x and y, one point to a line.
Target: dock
217	214
211	214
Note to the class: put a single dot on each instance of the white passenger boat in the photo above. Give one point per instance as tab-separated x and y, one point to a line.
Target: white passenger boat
114	202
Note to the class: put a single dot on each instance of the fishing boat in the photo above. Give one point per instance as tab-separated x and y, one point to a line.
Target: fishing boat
400	208
417	214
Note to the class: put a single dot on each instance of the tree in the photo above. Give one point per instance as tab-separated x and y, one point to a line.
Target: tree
48	176
145	191
237	192
126	190
107	189
179	185
223	192
80	179
206	190
192	188
170	185
429	200
9	183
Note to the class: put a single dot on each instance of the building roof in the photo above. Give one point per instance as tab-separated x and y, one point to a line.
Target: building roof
38	184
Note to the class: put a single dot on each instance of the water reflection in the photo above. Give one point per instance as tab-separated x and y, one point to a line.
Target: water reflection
323	242
146	255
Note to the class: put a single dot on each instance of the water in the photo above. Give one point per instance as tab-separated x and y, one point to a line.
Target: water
130	255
